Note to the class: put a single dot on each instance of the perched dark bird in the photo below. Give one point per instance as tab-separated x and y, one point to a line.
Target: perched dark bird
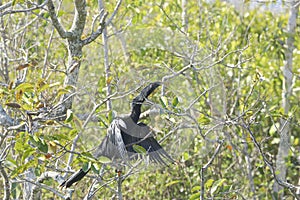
125	132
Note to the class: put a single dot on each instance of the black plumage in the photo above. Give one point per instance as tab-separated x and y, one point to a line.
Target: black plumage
125	132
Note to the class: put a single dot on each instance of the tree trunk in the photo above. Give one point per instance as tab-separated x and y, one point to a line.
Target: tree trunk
71	79
184	17
284	144
106	59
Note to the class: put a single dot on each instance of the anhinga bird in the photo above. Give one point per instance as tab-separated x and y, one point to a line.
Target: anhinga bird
125	132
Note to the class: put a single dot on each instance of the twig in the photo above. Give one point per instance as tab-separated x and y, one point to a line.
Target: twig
36	190
60	29
165	78
120	179
98	32
9	4
83	126
106	59
203	169
114	12
282	183
5	119
5	182
44	186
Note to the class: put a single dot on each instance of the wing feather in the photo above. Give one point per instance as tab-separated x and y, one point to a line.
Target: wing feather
115	135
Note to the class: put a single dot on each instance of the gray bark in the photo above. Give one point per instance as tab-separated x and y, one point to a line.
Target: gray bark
75	45
106	59
284	144
184	17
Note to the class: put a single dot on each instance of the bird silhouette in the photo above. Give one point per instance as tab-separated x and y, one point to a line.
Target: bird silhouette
125	132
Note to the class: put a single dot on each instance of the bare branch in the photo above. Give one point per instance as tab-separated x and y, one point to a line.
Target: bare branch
5	183
114	12
60	29
120	179
280	182
9	4
5	120
70	160
38	185
79	18
203	169
98	32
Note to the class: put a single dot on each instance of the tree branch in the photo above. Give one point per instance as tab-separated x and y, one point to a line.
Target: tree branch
99	31
3	7
9	4
60	29
114	12
79	18
120	180
38	185
5	119
280	182
203	169
5	182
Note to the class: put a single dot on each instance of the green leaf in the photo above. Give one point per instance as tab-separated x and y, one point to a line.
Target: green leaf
39	143
86	166
195	196
37	171
164	101
14	2
24	86
196	188
15	190
216	185
203	120
274	129
175	102
69	116
43	147
34	140
110	116
95	168
139	149
88	156
27	153
209	183
104	160
173	183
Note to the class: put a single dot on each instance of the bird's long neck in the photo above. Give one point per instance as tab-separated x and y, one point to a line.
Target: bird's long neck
136	111
138	101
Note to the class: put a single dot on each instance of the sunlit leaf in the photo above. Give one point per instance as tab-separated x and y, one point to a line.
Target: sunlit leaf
139	149
69	116
209	183
95	168
88	156
110	116
216	185
195	196
175	102
24	86
86	166
196	188
164	101
173	183
104	160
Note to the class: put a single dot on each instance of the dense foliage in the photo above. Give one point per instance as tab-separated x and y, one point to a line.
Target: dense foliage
223	78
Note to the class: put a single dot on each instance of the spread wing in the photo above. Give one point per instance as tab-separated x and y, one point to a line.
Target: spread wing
146	140
114	134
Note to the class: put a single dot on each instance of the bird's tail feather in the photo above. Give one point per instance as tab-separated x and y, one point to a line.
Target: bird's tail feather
77	176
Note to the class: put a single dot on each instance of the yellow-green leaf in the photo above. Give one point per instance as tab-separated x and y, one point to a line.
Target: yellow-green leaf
139	149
